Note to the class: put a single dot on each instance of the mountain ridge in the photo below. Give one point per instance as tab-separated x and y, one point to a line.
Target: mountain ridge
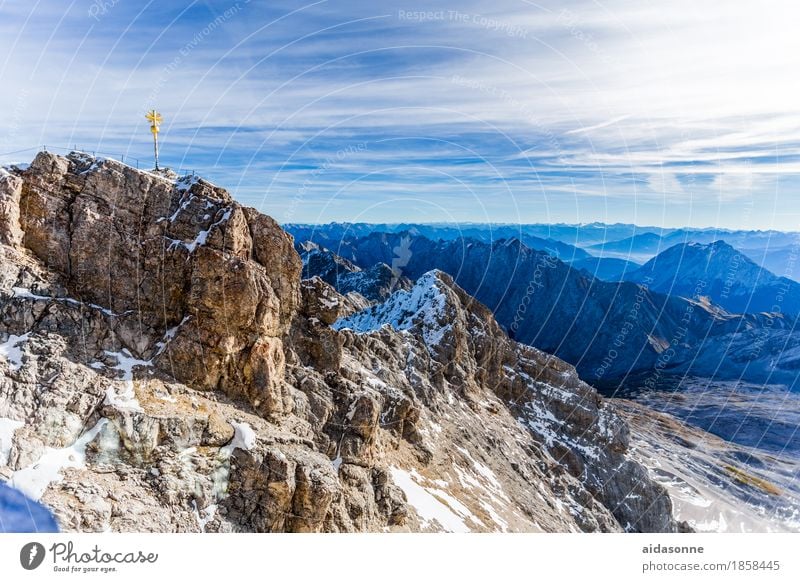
544	302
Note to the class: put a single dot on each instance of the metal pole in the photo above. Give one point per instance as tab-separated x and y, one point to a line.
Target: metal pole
155	147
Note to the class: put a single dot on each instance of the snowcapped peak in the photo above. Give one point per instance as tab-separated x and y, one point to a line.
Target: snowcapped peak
422	307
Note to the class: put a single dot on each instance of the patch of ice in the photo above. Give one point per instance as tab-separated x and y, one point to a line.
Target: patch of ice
12	352
244	437
34	480
7	428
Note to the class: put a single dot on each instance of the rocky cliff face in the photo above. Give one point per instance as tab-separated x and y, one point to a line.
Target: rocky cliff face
163	367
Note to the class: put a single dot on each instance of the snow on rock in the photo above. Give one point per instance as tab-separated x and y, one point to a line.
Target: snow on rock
244	438
11	350
24	293
202	236
125	363
424	304
184	183
433	505
27	294
7	428
169	335
205	516
34	479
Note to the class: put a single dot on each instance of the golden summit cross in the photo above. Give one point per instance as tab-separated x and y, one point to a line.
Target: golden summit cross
155	119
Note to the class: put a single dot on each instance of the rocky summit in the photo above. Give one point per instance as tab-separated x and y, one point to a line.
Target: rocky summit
165	367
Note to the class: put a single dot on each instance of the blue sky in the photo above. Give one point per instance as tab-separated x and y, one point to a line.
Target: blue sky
502	111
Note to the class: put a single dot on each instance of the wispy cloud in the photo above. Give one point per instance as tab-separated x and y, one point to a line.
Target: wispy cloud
572	111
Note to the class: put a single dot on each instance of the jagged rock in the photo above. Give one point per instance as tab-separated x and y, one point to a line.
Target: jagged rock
220	280
375	283
10	189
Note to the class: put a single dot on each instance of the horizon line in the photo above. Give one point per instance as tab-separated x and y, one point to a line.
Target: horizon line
522	224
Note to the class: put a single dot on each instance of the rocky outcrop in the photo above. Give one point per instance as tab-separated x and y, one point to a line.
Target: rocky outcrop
454	345
163	367
178	261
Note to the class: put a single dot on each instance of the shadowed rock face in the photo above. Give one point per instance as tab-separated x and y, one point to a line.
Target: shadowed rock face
374	284
164	368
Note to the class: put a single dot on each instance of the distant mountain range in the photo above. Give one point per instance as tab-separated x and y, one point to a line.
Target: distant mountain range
605	251
721	273
608	330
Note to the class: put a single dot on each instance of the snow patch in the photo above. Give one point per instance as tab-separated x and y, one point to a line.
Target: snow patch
24	293
125	364
27	294
244	437
202	237
169	335
432	505
35	479
183	183
12	352
207	515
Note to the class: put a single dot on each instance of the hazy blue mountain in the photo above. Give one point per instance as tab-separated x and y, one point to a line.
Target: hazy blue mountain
331	235
718	271
776	251
783	261
638	247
